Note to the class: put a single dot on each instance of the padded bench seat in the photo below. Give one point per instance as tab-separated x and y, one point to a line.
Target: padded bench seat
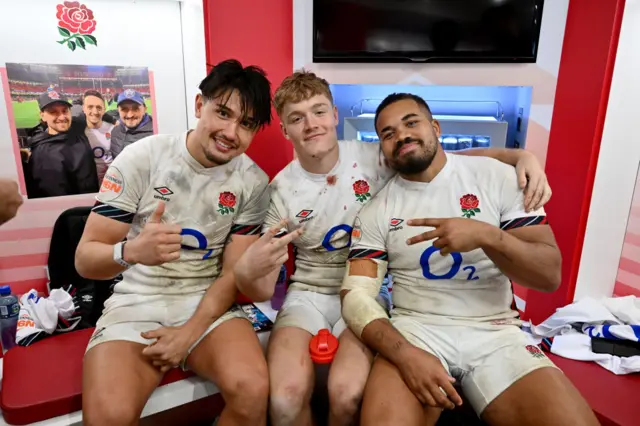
611	397
44	380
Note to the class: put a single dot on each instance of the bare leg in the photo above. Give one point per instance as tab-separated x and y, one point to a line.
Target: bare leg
542	397
291	376
117	381
389	402
347	379
232	358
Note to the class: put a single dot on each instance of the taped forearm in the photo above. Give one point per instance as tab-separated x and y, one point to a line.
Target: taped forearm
359	309
359	305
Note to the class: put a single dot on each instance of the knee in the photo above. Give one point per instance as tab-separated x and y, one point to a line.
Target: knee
345	397
247	394
288	399
98	412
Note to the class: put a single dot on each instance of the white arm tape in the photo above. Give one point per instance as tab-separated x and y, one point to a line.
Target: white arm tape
359	306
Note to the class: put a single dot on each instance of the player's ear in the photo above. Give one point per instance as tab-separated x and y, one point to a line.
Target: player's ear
284	130
436	127
199	104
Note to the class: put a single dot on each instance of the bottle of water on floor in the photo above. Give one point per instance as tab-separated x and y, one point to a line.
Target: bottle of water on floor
9	311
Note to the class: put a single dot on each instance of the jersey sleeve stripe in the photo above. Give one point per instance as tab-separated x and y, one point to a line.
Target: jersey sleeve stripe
246	229
519	222
113	212
546	344
368	254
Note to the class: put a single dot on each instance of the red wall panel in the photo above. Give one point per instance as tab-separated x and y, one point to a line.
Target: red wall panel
588	57
256	32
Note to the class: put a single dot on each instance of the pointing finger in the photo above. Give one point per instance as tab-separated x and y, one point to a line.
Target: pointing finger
425	222
273	231
425	236
286	239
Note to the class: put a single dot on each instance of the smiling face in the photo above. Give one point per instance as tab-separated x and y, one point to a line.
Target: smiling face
57	116
93	108
408	136
311	126
131	113
223	131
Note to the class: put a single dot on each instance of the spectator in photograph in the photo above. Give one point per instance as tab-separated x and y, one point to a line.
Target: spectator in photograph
134	123
61	161
98	130
10	200
76	107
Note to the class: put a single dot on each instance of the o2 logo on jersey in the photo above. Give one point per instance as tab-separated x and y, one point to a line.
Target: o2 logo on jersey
98	152
200	238
326	241
455	268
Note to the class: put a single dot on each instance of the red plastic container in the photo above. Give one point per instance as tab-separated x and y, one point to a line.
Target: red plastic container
323	347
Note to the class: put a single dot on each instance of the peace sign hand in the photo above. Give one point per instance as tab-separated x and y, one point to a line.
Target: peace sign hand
453	234
265	255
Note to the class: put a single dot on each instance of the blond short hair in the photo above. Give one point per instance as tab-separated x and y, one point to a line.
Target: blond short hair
298	87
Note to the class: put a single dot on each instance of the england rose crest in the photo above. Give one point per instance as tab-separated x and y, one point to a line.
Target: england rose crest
534	351
469	204
361	190
76	23
226	202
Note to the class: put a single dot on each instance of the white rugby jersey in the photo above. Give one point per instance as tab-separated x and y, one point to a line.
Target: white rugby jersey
460	285
208	203
326	205
100	141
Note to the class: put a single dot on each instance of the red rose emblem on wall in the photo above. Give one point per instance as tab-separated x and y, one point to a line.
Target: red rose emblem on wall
361	189
469	204
76	24
226	202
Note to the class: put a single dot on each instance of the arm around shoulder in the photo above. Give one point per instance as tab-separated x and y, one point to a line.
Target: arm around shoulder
523	247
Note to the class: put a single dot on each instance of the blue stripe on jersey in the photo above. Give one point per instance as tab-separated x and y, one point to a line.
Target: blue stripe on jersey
519	222
245	229
113	212
368	254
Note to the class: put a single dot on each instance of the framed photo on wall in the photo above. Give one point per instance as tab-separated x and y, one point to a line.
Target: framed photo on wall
69	122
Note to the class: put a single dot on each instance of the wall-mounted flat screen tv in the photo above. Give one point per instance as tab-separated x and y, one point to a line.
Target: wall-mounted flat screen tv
426	30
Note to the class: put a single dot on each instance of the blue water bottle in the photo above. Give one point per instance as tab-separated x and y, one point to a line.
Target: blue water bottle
281	289
9	311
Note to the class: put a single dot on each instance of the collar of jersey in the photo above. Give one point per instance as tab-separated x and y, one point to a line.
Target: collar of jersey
215	172
440	179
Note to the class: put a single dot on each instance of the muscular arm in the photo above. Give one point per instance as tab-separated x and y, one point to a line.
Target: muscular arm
94	255
223	292
260	289
378	334
527	255
504	155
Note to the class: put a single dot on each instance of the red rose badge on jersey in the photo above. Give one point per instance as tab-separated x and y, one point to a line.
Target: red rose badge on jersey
535	351
76	24
469	204
226	202
361	189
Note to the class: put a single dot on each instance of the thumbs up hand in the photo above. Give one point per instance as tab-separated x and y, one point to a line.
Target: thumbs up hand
158	242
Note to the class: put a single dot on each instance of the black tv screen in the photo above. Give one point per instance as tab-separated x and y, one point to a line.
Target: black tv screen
426	30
